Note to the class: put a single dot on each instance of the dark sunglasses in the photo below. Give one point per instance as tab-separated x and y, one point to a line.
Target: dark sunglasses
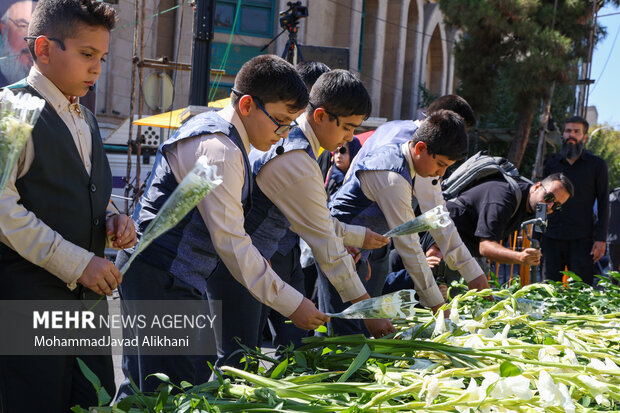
549	198
342	150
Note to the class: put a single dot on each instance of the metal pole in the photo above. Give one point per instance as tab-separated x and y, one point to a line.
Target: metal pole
131	102
201	52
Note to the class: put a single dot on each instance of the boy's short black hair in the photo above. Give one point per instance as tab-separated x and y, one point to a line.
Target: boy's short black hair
340	93
310	71
444	133
579	119
456	104
269	79
59	18
566	183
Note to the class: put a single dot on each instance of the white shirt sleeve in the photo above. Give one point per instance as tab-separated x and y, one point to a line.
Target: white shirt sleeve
222	212
293	182
455	253
393	196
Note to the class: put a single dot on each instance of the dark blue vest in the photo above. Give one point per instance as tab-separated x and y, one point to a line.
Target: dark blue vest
186	251
351	206
266	224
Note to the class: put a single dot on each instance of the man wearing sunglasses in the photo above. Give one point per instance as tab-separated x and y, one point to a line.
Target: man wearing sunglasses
574	238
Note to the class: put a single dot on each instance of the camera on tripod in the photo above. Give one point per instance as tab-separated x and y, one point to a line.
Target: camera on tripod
290	17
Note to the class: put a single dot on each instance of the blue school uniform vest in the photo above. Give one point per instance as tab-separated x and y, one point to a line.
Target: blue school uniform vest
351	206
186	251
266	224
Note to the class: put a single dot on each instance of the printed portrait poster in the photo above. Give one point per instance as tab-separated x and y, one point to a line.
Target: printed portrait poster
15	59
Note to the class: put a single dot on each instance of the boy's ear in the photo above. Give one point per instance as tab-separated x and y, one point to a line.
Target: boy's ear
245	105
319	114
419	148
42	49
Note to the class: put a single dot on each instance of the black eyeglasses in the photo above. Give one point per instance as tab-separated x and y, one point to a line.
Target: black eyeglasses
342	150
549	198
281	128
60	43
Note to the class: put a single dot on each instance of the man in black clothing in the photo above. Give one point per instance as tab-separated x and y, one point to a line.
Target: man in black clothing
573	239
488	212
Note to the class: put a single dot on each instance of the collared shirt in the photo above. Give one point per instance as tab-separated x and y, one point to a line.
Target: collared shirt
393	195
20	229
589	177
222	212
294	183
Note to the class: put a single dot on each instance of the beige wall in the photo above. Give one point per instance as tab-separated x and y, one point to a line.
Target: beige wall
425	58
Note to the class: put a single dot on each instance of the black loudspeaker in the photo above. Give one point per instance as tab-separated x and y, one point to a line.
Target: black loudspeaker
334	57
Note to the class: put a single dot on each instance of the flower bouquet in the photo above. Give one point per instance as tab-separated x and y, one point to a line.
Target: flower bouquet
190	191
18	114
436	217
399	304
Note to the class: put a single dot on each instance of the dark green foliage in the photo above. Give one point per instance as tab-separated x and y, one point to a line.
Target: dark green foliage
512	51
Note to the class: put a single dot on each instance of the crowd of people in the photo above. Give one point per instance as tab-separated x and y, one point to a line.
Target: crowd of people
302	208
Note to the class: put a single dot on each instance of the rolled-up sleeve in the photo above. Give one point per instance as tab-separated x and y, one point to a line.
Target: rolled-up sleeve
293	182
455	253
222	212
392	193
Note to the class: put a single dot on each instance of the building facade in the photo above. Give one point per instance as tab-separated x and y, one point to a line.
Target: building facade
396	47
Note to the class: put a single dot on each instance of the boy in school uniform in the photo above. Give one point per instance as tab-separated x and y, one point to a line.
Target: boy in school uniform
289	189
53	220
185	262
380	193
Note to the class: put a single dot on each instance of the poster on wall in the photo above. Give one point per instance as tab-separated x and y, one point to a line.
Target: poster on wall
15	59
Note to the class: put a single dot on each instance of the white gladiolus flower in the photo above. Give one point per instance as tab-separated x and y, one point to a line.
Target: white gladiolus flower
431	387
454	311
191	190
471	325
474	341
440	324
567	401
611	365
596	388
548	391
570	357
549	354
434	218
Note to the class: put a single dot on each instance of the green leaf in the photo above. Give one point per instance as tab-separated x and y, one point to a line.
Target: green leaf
92	377
358	362
160	376
78	409
300	359
279	370
548	340
162	397
585	401
382	368
124	404
321	329
507	369
186	384
103	398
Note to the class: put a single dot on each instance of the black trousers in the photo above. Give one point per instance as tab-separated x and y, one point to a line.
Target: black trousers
45	383
573	254
289	270
146	282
